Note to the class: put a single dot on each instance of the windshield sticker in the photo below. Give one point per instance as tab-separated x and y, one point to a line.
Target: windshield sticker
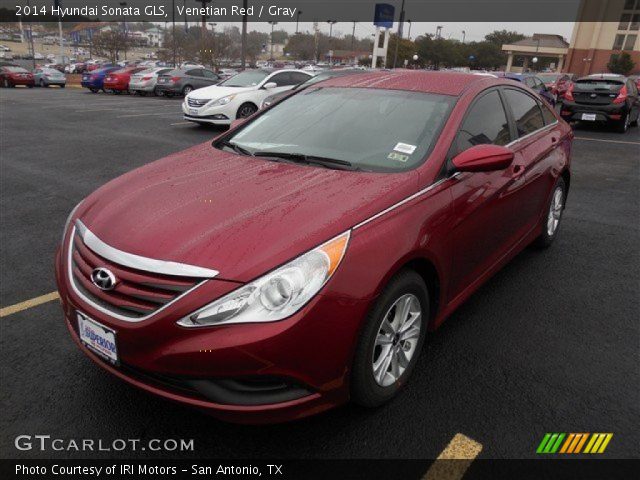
398	157
405	148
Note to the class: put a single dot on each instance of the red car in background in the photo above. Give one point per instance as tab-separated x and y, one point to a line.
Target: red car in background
294	263
118	80
557	83
11	76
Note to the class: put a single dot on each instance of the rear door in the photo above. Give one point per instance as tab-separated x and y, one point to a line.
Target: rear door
195	78
210	78
538	157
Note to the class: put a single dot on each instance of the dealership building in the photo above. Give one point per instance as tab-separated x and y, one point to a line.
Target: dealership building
593	43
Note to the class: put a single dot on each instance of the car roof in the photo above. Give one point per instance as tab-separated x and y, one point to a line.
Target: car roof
445	83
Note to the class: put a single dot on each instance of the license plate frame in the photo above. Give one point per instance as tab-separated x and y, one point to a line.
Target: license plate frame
193	112
98	338
588	117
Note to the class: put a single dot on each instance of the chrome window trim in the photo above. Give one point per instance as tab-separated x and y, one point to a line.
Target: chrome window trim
162	267
546	127
102	309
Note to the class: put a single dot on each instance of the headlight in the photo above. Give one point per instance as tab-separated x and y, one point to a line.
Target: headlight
66	224
276	295
223	100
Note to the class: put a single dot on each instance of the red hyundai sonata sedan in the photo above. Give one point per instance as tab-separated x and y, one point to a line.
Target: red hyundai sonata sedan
299	260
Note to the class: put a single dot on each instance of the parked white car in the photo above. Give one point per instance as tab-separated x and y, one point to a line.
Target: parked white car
238	96
145	82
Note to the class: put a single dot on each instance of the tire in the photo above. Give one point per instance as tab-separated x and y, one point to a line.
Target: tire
157	92
634	123
187	90
31	86
246	110
623	125
93	90
549	231
373	380
41	83
62	85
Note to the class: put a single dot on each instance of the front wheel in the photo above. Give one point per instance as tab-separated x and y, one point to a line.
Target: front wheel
94	90
246	110
187	90
391	340
551	221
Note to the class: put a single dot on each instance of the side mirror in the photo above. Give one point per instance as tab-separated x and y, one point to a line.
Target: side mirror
237	122
270	85
483	158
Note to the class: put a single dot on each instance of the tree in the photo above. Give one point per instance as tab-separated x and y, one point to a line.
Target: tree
621	63
280	36
502	37
110	43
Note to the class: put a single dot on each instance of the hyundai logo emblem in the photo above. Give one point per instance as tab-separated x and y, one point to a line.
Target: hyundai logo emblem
103	278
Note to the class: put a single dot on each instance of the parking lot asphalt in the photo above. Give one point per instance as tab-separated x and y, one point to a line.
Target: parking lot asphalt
550	344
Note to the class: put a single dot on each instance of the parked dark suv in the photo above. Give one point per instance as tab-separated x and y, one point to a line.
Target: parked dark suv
183	81
602	98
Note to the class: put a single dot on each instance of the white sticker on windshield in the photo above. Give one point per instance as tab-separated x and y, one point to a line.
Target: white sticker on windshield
405	148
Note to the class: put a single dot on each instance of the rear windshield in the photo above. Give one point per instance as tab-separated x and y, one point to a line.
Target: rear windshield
549	77
373	129
16	69
604	84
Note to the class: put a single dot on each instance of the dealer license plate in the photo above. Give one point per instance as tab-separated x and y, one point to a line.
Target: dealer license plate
98	338
590	117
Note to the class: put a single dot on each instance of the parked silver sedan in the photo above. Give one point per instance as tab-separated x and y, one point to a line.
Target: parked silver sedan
44	77
145	82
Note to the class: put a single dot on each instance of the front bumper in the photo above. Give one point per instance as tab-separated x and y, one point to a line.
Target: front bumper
572	111
218	115
310	352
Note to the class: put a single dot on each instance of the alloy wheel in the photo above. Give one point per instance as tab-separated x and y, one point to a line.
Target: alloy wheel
397	340
555	211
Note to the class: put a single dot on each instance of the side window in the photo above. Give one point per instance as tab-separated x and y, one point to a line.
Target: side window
486	122
548	116
528	82
538	84
281	79
298	77
196	72
209	74
526	112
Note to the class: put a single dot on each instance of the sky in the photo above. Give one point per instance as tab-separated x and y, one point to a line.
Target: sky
475	31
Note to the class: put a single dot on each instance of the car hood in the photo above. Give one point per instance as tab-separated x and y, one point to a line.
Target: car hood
214	92
239	215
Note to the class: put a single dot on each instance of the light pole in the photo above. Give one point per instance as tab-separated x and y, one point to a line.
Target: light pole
331	24
173	31
464	34
57	4
273	24
244	36
439	31
409	34
399	34
124	26
203	33
415	60
298	20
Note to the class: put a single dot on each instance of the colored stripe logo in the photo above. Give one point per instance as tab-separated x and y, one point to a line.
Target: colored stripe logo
574	443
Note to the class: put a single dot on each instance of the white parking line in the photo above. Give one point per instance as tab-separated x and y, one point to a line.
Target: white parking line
147	114
606	141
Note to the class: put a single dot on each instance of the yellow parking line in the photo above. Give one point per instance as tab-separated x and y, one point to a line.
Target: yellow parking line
460	448
607	141
34	302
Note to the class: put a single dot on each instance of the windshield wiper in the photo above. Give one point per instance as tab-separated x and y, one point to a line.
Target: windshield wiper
310	159
235	147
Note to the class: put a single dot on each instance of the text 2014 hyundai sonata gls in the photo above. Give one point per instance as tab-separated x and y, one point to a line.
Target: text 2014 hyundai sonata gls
299	260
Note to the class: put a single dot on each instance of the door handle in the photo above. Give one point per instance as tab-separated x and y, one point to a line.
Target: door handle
517	169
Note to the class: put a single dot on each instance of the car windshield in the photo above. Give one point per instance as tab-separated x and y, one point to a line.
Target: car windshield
249	78
370	129
549	77
16	69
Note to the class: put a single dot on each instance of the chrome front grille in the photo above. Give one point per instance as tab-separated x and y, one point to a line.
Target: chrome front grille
194	102
138	292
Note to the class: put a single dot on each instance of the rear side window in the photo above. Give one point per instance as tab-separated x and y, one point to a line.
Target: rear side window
486	122
209	74
196	72
526	112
